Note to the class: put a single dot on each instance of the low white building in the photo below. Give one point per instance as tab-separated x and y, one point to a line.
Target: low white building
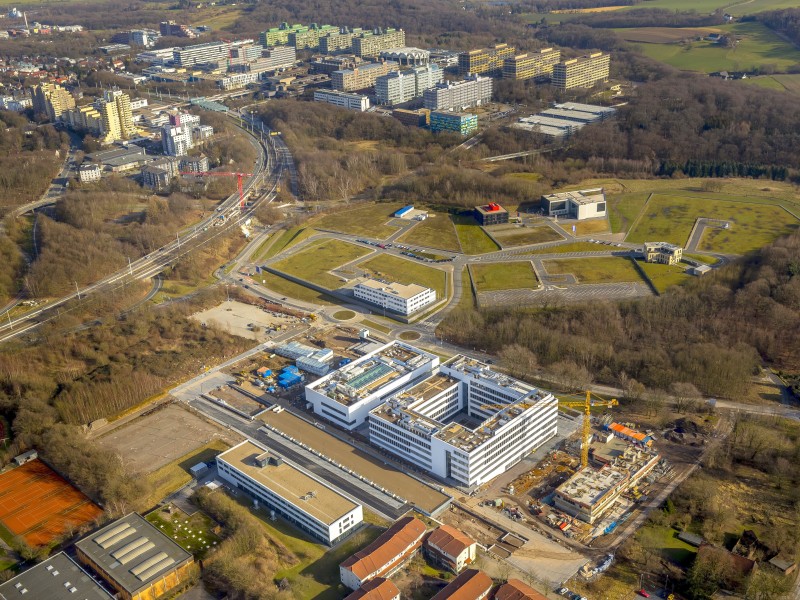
286	491
346	395
343	99
579	205
89	173
395	297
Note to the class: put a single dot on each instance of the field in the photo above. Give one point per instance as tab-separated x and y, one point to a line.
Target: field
369	220
436	231
670	218
664	276
782	83
758	46
275	245
40	506
587	227
664	35
511	235
393	268
290	289
313	262
734	7
194	533
473	238
623	208
160	436
503	276
595	270
573	247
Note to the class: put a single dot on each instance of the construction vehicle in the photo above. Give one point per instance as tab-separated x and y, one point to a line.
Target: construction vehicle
587	405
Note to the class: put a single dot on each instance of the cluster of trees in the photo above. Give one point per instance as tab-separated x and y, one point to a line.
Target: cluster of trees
785	22
713	333
650	17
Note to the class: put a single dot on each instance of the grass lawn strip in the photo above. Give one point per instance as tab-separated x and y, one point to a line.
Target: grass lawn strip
595	270
473	238
623	210
587	227
290	289
522	236
437	231
314	262
572	247
286	240
664	276
367	220
504	276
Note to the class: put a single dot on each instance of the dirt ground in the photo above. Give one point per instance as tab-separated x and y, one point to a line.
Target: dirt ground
396	481
160	436
235	317
238	400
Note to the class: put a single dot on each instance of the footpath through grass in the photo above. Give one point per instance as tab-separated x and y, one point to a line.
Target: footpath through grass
473	238
503	276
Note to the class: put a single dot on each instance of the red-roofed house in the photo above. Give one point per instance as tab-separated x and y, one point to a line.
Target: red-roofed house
470	585
376	589
451	548
385	555
514	589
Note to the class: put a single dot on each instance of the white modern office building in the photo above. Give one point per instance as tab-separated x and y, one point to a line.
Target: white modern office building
466	422
290	493
458	95
343	99
579	204
207	53
402	86
395	297
346	396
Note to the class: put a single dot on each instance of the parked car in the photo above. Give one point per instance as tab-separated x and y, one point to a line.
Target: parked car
642	592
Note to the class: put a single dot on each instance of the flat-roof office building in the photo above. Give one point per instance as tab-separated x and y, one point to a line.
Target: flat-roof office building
488	61
582	72
579	204
344	99
459	95
360	77
57	578
403	86
299	498
372	43
534	64
395	297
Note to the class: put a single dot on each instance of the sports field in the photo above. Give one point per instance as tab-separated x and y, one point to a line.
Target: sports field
503	276
757	46
40	506
393	268
437	231
595	270
368	220
313	262
670	218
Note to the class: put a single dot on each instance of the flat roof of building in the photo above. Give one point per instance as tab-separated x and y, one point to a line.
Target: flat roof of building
587	108
591	196
405	291
545	121
372	372
133	552
563	113
57	578
662	245
548	130
588	486
491	209
294	486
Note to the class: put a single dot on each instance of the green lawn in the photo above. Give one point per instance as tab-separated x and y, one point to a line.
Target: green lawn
789	83
573	247
437	231
473	238
623	210
522	236
284	241
664	276
290	289
503	276
174	475
664	540
343	315
734	7
703	258
595	270
758	46
369	220
671	217
192	533
314	262
393	268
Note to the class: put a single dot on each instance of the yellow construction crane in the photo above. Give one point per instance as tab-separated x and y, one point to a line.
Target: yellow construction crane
587	405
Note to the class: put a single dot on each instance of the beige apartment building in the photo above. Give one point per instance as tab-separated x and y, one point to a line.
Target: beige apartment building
372	43
539	63
487	61
582	72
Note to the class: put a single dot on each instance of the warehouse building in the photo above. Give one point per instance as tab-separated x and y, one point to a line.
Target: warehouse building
372	43
343	99
450	548
663	253
590	493
404	299
531	65
564	119
462	123
286	491
579	204
403	86
346	395
57	578
459	95
136	559
385	555
465	423
548	127
487	61
470	585
491	214
582	72
361	77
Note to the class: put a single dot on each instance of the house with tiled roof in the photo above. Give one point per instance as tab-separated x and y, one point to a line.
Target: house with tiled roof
376	589
470	585
514	589
450	548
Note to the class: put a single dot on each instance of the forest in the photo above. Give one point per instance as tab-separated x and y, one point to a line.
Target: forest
785	22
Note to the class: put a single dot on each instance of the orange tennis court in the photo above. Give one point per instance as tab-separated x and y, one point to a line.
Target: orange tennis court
40	506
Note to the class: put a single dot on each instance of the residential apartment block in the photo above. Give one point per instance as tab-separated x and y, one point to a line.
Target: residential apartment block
338	41
531	65
472	91
582	72
362	77
514	589
463	123
89	173
345	100
304	501
372	43
398	87
385	555
663	253
395	297
308	37
379	588
450	548
52	100
488	61
117	116
278	36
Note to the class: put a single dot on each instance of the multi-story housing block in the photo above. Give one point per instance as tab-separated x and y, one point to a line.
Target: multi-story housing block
532	65
52	100
582	72
362	77
403	86
372	43
488	61
472	91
